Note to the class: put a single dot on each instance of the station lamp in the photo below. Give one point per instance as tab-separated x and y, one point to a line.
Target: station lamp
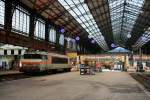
113	45
93	41
62	30
77	38
129	35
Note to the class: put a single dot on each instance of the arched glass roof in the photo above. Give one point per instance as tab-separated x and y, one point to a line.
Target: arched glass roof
124	14
106	21
80	11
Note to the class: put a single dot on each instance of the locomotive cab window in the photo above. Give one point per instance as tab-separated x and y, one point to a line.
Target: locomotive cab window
59	60
32	56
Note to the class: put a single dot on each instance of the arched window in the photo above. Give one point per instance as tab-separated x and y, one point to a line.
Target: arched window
20	21
61	39
2	13
71	44
78	47
52	35
68	42
74	44
40	29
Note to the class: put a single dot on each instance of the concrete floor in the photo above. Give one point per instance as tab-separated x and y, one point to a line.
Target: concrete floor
72	86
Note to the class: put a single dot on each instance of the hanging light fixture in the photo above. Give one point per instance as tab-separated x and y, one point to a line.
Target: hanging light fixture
77	38
93	41
112	45
62	30
129	35
89	36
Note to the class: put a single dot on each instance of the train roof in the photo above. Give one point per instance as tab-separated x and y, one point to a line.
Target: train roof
57	55
51	54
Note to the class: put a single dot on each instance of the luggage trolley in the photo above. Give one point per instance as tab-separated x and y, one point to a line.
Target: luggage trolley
82	69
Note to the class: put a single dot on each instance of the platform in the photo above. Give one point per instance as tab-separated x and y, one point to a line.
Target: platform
10	72
73	86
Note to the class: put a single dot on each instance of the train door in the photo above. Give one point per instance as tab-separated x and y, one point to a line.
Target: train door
49	61
44	60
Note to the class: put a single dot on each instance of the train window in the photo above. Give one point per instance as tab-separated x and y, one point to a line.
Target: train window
32	56
59	60
44	57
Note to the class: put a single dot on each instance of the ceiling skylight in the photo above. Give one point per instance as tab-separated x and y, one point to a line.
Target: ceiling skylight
123	17
80	11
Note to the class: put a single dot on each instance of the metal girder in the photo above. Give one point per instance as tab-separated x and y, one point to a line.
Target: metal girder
50	2
64	24
99	22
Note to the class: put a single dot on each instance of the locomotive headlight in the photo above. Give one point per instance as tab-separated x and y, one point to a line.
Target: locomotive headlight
20	64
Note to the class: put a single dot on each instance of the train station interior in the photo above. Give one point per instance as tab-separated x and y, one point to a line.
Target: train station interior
75	49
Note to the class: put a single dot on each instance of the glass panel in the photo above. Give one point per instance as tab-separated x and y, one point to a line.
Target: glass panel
80	11
123	16
52	35
20	21
2	13
40	29
61	39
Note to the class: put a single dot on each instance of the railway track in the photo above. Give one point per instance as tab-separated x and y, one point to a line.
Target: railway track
143	79
14	76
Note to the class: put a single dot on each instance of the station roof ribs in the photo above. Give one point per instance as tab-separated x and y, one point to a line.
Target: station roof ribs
106	21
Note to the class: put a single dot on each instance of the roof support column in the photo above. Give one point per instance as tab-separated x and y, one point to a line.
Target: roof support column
32	29
123	16
47	28
8	15
57	40
32	25
47	31
8	18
